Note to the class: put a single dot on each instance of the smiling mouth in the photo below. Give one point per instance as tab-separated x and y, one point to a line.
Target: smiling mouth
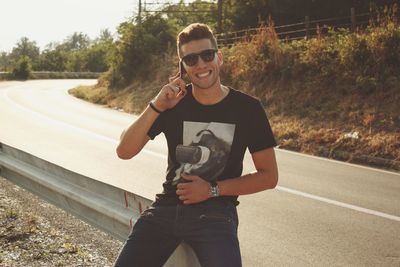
203	75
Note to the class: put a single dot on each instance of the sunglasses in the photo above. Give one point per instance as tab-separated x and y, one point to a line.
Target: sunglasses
207	55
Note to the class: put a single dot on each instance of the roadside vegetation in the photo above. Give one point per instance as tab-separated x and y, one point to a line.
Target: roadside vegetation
327	95
76	54
335	95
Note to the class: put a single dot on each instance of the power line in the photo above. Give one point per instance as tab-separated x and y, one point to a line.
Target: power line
163	6
177	11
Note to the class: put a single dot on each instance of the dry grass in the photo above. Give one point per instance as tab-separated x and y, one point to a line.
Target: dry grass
94	94
324	96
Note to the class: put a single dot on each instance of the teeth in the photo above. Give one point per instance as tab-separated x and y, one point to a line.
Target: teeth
202	75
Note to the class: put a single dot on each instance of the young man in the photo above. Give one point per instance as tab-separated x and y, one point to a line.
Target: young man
208	127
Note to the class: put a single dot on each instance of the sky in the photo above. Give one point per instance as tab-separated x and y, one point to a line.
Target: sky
46	21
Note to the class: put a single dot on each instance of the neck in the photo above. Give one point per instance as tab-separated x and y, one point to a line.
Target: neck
210	96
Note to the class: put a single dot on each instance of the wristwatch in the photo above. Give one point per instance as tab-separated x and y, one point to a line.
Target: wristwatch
214	189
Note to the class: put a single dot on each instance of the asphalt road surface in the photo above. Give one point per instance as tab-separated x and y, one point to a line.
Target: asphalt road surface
323	212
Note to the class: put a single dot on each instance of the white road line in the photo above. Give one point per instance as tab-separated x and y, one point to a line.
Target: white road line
285	189
340	204
339	162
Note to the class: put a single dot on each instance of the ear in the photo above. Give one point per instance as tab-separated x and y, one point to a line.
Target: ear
220	58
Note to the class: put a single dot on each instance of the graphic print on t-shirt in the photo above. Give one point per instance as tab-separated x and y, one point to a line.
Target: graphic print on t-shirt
205	149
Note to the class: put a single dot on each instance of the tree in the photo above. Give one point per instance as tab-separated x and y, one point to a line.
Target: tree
98	56
239	14
75	42
245	14
104	37
182	15
53	60
25	48
138	45
4	61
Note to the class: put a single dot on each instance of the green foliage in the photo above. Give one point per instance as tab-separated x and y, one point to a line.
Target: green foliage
245	14
4	62
137	46
182	14
78	54
384	44
364	61
22	69
25	48
53	60
75	42
96	58
340	56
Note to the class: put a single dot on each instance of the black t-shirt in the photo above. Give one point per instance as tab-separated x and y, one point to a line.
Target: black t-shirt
210	140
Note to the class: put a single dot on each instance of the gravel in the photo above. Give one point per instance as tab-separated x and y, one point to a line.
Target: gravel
36	233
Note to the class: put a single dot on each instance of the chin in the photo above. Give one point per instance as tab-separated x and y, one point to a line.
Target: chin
204	85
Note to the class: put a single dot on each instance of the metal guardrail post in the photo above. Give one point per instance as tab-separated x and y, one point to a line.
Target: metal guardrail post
307	25
353	19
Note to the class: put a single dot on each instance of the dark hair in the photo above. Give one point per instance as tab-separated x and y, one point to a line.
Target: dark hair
195	31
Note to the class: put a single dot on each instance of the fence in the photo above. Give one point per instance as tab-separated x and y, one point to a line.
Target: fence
305	29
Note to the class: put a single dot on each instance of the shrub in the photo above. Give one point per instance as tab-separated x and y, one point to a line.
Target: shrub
22	69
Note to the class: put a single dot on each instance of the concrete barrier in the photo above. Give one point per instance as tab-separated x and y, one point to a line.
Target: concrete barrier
106	207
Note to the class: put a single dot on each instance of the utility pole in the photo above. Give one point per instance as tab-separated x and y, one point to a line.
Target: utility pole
219	16
139	19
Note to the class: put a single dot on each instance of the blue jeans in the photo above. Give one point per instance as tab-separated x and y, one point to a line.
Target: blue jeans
210	228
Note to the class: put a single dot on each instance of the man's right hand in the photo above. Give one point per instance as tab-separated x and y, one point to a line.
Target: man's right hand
170	94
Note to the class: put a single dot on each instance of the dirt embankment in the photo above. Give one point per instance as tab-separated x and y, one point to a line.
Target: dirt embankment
35	233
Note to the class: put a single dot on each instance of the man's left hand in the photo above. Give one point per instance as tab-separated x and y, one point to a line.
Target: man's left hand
194	191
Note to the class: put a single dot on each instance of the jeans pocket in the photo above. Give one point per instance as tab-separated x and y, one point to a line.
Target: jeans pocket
215	217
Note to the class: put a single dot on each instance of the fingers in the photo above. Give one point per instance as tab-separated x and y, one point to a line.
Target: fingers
174	77
186	200
182	186
178	86
180	192
172	91
190	177
183	92
174	88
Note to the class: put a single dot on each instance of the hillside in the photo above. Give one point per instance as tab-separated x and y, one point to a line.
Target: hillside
335	96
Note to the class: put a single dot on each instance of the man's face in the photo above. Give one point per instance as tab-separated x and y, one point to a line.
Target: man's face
203	74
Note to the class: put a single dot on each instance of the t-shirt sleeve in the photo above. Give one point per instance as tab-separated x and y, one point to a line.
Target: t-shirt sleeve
157	127
260	134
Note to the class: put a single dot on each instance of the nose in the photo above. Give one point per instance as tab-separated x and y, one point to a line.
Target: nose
201	62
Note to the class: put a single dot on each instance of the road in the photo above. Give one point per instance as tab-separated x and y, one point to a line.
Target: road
323	212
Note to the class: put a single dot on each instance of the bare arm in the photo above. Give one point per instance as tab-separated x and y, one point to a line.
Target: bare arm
134	138
266	177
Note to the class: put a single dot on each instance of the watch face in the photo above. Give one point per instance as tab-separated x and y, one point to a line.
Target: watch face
214	191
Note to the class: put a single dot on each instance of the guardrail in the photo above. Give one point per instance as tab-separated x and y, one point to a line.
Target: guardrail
104	206
4	75
56	75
